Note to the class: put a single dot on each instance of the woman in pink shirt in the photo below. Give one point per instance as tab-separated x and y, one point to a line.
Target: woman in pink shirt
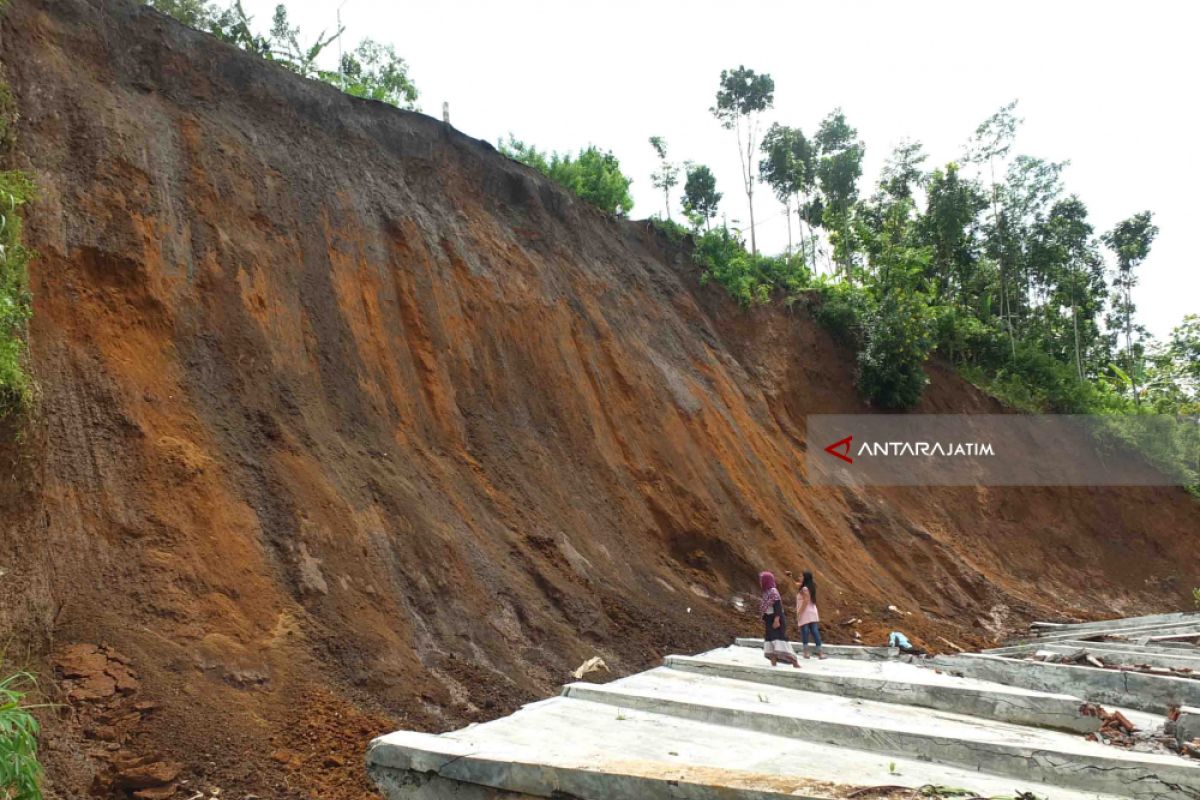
806	613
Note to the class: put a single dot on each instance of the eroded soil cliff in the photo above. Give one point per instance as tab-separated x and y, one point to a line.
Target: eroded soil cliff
347	422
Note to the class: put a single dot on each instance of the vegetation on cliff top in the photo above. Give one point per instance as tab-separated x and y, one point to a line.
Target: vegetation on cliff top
371	70
1004	276
594	175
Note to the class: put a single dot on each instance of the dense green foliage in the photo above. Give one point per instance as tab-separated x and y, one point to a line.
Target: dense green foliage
700	196
593	174
370	70
749	278
989	262
20	772
374	71
15	301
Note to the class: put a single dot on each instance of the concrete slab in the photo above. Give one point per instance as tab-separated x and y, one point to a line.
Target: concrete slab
1185	628
1120	654
899	683
725	726
995	747
1151	693
832	650
1170	649
573	748
1148	619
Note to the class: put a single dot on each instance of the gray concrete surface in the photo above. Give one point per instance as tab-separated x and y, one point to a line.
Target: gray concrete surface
724	725
1121	654
1116	628
1151	693
573	748
1172	649
858	652
1148	619
1187	727
899	683
997	748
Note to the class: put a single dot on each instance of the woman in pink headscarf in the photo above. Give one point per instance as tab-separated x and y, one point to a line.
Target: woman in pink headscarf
776	646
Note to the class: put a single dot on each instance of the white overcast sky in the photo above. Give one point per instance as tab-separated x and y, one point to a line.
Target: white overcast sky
1111	87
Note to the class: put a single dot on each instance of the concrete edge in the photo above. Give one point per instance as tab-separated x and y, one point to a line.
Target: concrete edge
1140	778
852	651
1137	690
429	767
1020	707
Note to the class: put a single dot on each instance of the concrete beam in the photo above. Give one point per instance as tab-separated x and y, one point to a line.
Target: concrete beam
1059	762
1141	691
915	687
835	650
1131	655
1148	619
1184	628
1185	650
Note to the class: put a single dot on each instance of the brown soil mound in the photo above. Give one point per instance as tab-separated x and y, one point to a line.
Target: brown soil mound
349	423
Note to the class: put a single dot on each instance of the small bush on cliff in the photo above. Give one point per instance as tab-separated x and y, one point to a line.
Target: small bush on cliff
20	771
747	277
594	174
675	233
841	311
1196	597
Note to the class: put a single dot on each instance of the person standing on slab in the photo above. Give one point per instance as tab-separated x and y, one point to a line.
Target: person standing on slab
807	616
776	646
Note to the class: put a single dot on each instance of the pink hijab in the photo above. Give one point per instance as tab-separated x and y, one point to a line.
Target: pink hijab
770	593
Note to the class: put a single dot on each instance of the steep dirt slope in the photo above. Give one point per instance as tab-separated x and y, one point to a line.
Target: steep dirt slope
347	422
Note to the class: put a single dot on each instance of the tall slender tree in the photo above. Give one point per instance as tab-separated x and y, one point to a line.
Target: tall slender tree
839	166
789	168
1064	254
993	140
741	98
1130	242
667	176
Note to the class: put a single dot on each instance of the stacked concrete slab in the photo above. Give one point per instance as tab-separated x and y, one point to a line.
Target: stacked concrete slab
1157	627
725	724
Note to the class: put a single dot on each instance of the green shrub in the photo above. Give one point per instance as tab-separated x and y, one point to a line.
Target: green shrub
673	231
840	310
20	771
1196	597
748	278
15	302
897	340
594	175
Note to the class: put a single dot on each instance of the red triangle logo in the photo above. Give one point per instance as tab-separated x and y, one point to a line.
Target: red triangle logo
844	455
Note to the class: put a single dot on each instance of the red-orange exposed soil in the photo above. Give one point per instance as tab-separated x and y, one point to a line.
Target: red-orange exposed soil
348	423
